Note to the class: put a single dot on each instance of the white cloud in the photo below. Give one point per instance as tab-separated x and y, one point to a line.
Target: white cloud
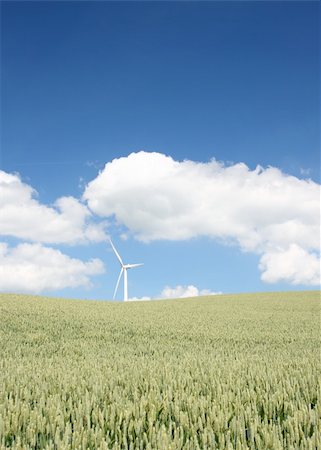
177	292
263	210
294	265
33	268
22	216
139	299
185	291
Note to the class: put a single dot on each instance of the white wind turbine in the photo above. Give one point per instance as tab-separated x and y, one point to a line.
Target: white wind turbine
123	270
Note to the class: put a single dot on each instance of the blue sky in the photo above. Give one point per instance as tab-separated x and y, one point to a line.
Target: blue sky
86	83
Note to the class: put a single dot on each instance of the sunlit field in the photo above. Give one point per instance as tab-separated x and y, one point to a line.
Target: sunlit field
221	372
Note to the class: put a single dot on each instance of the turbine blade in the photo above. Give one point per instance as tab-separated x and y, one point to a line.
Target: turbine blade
131	266
117	284
116	253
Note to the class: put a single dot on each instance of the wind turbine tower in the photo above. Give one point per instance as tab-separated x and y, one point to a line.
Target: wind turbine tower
123	271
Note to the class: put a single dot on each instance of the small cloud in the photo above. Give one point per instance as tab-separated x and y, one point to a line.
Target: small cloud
95	164
177	292
81	183
185	291
305	172
139	299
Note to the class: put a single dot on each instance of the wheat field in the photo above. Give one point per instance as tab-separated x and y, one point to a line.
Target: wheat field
221	372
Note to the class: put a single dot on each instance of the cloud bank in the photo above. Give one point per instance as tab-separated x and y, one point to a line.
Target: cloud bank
30	266
34	268
264	211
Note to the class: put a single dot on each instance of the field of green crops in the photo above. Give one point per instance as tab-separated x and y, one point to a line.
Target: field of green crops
221	372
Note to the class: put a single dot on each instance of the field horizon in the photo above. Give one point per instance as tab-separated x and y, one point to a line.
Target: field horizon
229	371
262	294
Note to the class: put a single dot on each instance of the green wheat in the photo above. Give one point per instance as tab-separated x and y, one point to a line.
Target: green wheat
223	372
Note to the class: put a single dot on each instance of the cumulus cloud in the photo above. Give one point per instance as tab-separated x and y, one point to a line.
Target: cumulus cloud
34	268
185	292
177	292
294	265
263	210
22	216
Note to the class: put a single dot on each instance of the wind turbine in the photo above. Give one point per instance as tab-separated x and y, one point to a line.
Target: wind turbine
123	270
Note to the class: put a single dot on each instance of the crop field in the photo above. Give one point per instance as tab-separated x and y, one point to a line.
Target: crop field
221	372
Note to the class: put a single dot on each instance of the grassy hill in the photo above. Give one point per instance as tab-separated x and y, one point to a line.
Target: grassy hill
221	372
